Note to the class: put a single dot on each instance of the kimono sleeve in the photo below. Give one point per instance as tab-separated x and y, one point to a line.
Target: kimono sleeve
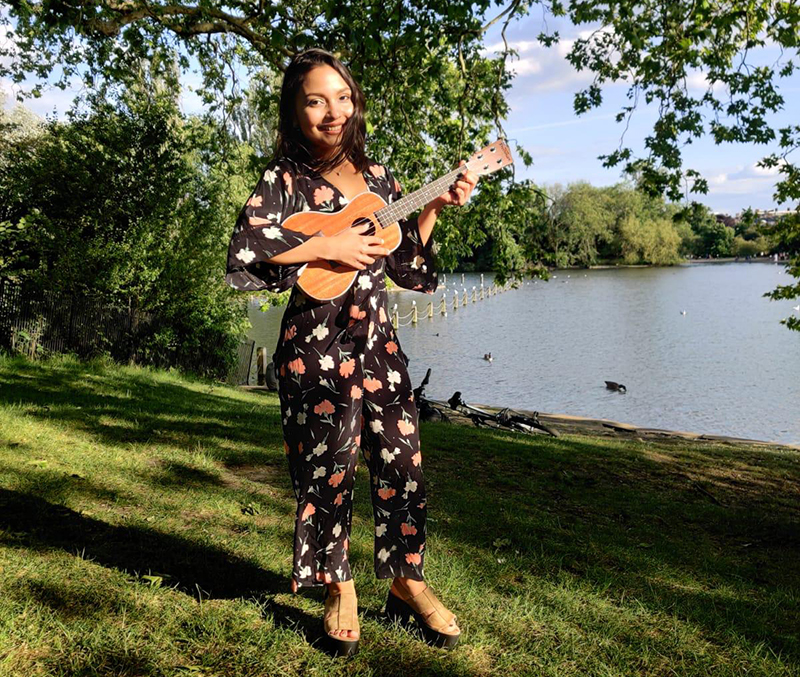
258	234
412	264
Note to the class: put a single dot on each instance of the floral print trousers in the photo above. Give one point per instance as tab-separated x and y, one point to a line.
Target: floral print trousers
328	414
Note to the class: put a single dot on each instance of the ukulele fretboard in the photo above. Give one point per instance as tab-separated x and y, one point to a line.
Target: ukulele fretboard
419	198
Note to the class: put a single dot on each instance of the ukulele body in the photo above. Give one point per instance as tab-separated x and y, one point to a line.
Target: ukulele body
327	280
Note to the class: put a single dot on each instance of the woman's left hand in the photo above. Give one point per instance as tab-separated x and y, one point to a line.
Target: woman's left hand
462	189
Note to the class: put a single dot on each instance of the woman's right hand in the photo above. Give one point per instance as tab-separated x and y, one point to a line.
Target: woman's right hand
354	249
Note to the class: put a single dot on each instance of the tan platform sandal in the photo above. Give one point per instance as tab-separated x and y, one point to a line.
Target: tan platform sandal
431	616
341	613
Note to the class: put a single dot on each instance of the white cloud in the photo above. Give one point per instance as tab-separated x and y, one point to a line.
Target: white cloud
744	180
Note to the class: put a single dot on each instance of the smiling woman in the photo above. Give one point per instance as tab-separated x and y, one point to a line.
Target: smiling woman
343	381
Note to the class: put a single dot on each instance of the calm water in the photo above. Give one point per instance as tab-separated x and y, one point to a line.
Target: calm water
725	367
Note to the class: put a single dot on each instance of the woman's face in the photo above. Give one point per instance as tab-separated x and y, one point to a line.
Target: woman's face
324	103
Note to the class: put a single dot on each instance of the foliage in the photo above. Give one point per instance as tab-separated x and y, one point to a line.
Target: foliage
128	200
787	234
435	94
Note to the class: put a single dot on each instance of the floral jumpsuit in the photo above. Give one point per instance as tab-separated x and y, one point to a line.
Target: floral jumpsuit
342	378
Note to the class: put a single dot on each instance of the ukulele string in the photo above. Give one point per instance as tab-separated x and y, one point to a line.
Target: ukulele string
419	198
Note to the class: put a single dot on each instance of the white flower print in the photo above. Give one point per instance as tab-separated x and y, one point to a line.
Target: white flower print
380	530
411	486
270	176
417	262
340	573
388	456
373	301
326	363
370	343
364	282
393	377
320	331
383	554
305	572
343	201
320	449
304	549
271	233
319	471
301	418
376	426
245	254
337	529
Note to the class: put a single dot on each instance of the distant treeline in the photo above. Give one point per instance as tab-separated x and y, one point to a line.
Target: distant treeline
582	225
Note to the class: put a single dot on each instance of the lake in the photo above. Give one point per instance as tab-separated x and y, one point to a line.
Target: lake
726	366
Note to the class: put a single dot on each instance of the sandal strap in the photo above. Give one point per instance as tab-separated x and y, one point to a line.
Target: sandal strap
341	612
436	615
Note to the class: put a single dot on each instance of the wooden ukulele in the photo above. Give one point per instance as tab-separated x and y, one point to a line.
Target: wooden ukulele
326	280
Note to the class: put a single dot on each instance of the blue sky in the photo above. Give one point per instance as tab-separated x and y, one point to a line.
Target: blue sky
564	146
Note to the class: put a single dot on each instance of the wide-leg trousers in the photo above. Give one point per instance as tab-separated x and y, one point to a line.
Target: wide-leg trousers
356	395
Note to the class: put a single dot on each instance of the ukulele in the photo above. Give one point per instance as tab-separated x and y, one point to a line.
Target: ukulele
326	280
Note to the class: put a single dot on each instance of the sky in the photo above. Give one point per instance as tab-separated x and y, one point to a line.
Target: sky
565	147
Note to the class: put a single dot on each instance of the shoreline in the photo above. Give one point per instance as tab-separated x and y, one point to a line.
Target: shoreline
601	427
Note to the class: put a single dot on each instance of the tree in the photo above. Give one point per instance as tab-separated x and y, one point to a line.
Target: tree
435	94
786	234
127	201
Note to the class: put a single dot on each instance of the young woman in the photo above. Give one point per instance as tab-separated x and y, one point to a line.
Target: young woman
343	382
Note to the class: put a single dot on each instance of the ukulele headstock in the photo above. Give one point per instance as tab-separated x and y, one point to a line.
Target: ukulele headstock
491	158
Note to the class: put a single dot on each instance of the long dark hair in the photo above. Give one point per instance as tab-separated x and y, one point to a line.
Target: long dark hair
291	142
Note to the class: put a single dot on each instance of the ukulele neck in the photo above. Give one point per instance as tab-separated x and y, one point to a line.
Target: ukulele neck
419	198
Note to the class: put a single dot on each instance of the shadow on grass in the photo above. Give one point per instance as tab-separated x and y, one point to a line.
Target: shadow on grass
138	409
631	521
190	568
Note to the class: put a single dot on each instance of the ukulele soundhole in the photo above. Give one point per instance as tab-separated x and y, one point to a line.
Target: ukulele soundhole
364	221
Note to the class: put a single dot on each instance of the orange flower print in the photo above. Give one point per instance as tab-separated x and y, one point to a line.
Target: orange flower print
372	384
406	529
338	499
283	370
386	494
355	393
336	479
391	347
290	333
300	448
358	440
323	194
356	313
413	558
416	459
297	366
287	179
377	171
398	188
405	427
381	314
347	367
285	448
308	511
255	201
324	407
346	544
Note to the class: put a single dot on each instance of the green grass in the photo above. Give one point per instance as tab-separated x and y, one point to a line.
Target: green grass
146	524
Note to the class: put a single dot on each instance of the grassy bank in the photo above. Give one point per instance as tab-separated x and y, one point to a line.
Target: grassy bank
146	523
